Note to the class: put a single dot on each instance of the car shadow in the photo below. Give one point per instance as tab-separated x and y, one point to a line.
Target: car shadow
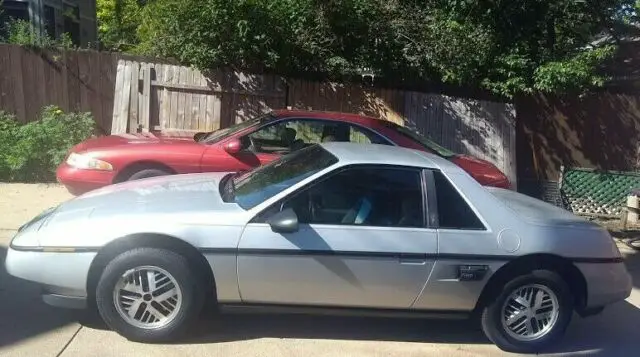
632	261
615	332
23	315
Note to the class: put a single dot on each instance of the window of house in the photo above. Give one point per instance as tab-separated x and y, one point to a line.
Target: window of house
17	10
72	22
50	21
453	211
13	10
363	196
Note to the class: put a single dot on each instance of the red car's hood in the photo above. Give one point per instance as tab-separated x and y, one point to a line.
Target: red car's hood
131	139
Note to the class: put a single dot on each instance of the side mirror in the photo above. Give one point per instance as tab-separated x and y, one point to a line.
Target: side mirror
233	146
199	136
285	221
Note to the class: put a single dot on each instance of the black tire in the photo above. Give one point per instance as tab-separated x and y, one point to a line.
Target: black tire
191	288
492	313
145	173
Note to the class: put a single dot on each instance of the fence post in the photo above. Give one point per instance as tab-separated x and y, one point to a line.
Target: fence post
560	184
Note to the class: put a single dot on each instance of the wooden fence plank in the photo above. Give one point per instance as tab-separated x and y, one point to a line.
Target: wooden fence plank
106	88
14	71
146	97
6	97
202	103
116	124
188	80
73	81
84	74
166	99
133	95
181	97
140	93
173	113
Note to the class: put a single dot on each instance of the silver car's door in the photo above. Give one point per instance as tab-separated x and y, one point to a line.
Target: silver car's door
362	242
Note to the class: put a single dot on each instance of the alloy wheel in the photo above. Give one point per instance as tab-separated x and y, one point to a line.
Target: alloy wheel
530	312
147	297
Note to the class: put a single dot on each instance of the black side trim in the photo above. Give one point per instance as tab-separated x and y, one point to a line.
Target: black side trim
55	249
342	311
597	260
394	255
353	254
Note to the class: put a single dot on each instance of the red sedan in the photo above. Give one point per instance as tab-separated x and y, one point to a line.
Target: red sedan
111	159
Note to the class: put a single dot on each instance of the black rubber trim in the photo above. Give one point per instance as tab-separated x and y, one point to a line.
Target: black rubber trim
354	254
373	254
55	249
597	260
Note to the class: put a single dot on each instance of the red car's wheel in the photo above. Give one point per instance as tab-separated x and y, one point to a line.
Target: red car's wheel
145	173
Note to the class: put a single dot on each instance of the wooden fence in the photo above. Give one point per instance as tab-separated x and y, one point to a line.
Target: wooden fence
152	96
72	80
128	94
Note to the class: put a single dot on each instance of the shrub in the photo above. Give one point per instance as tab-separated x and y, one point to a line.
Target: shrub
31	152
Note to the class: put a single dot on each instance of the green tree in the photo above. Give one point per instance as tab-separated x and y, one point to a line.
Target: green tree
118	22
505	46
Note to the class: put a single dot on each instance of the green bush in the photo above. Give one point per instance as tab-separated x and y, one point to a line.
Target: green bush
31	152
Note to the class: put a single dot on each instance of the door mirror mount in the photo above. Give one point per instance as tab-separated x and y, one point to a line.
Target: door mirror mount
285	221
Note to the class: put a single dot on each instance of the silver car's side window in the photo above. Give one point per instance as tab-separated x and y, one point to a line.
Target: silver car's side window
453	210
363	196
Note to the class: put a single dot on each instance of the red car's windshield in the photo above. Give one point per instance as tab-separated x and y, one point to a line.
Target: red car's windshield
424	141
219	134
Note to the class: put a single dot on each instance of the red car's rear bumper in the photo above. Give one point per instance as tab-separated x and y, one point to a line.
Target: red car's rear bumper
79	181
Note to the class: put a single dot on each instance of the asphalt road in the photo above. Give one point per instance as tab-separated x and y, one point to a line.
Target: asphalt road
30	328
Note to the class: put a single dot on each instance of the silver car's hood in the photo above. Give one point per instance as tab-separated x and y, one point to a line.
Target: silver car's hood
179	194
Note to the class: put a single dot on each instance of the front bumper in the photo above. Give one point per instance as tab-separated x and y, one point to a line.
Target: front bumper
62	275
79	181
606	283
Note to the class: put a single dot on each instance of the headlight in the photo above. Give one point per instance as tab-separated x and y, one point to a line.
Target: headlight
81	161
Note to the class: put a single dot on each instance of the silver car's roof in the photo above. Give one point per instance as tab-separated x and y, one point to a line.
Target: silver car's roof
386	154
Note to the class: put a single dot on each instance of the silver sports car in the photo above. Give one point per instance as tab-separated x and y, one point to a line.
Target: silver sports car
336	227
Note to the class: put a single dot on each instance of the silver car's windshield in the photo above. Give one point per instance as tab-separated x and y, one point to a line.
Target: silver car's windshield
254	187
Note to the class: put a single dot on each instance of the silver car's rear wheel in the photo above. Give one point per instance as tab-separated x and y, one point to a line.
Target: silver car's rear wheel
147	297
530	312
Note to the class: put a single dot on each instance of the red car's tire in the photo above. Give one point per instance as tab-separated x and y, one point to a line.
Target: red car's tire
145	173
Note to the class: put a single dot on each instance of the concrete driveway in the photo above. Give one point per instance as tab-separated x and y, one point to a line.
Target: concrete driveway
30	328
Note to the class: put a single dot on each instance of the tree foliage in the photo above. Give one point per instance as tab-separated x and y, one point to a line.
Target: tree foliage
118	22
505	46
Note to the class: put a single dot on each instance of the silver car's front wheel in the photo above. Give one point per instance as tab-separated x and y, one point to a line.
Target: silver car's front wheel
529	313
149	294
147	297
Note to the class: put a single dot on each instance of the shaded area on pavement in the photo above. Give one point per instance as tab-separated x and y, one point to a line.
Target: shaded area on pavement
615	332
237	327
23	315
632	261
